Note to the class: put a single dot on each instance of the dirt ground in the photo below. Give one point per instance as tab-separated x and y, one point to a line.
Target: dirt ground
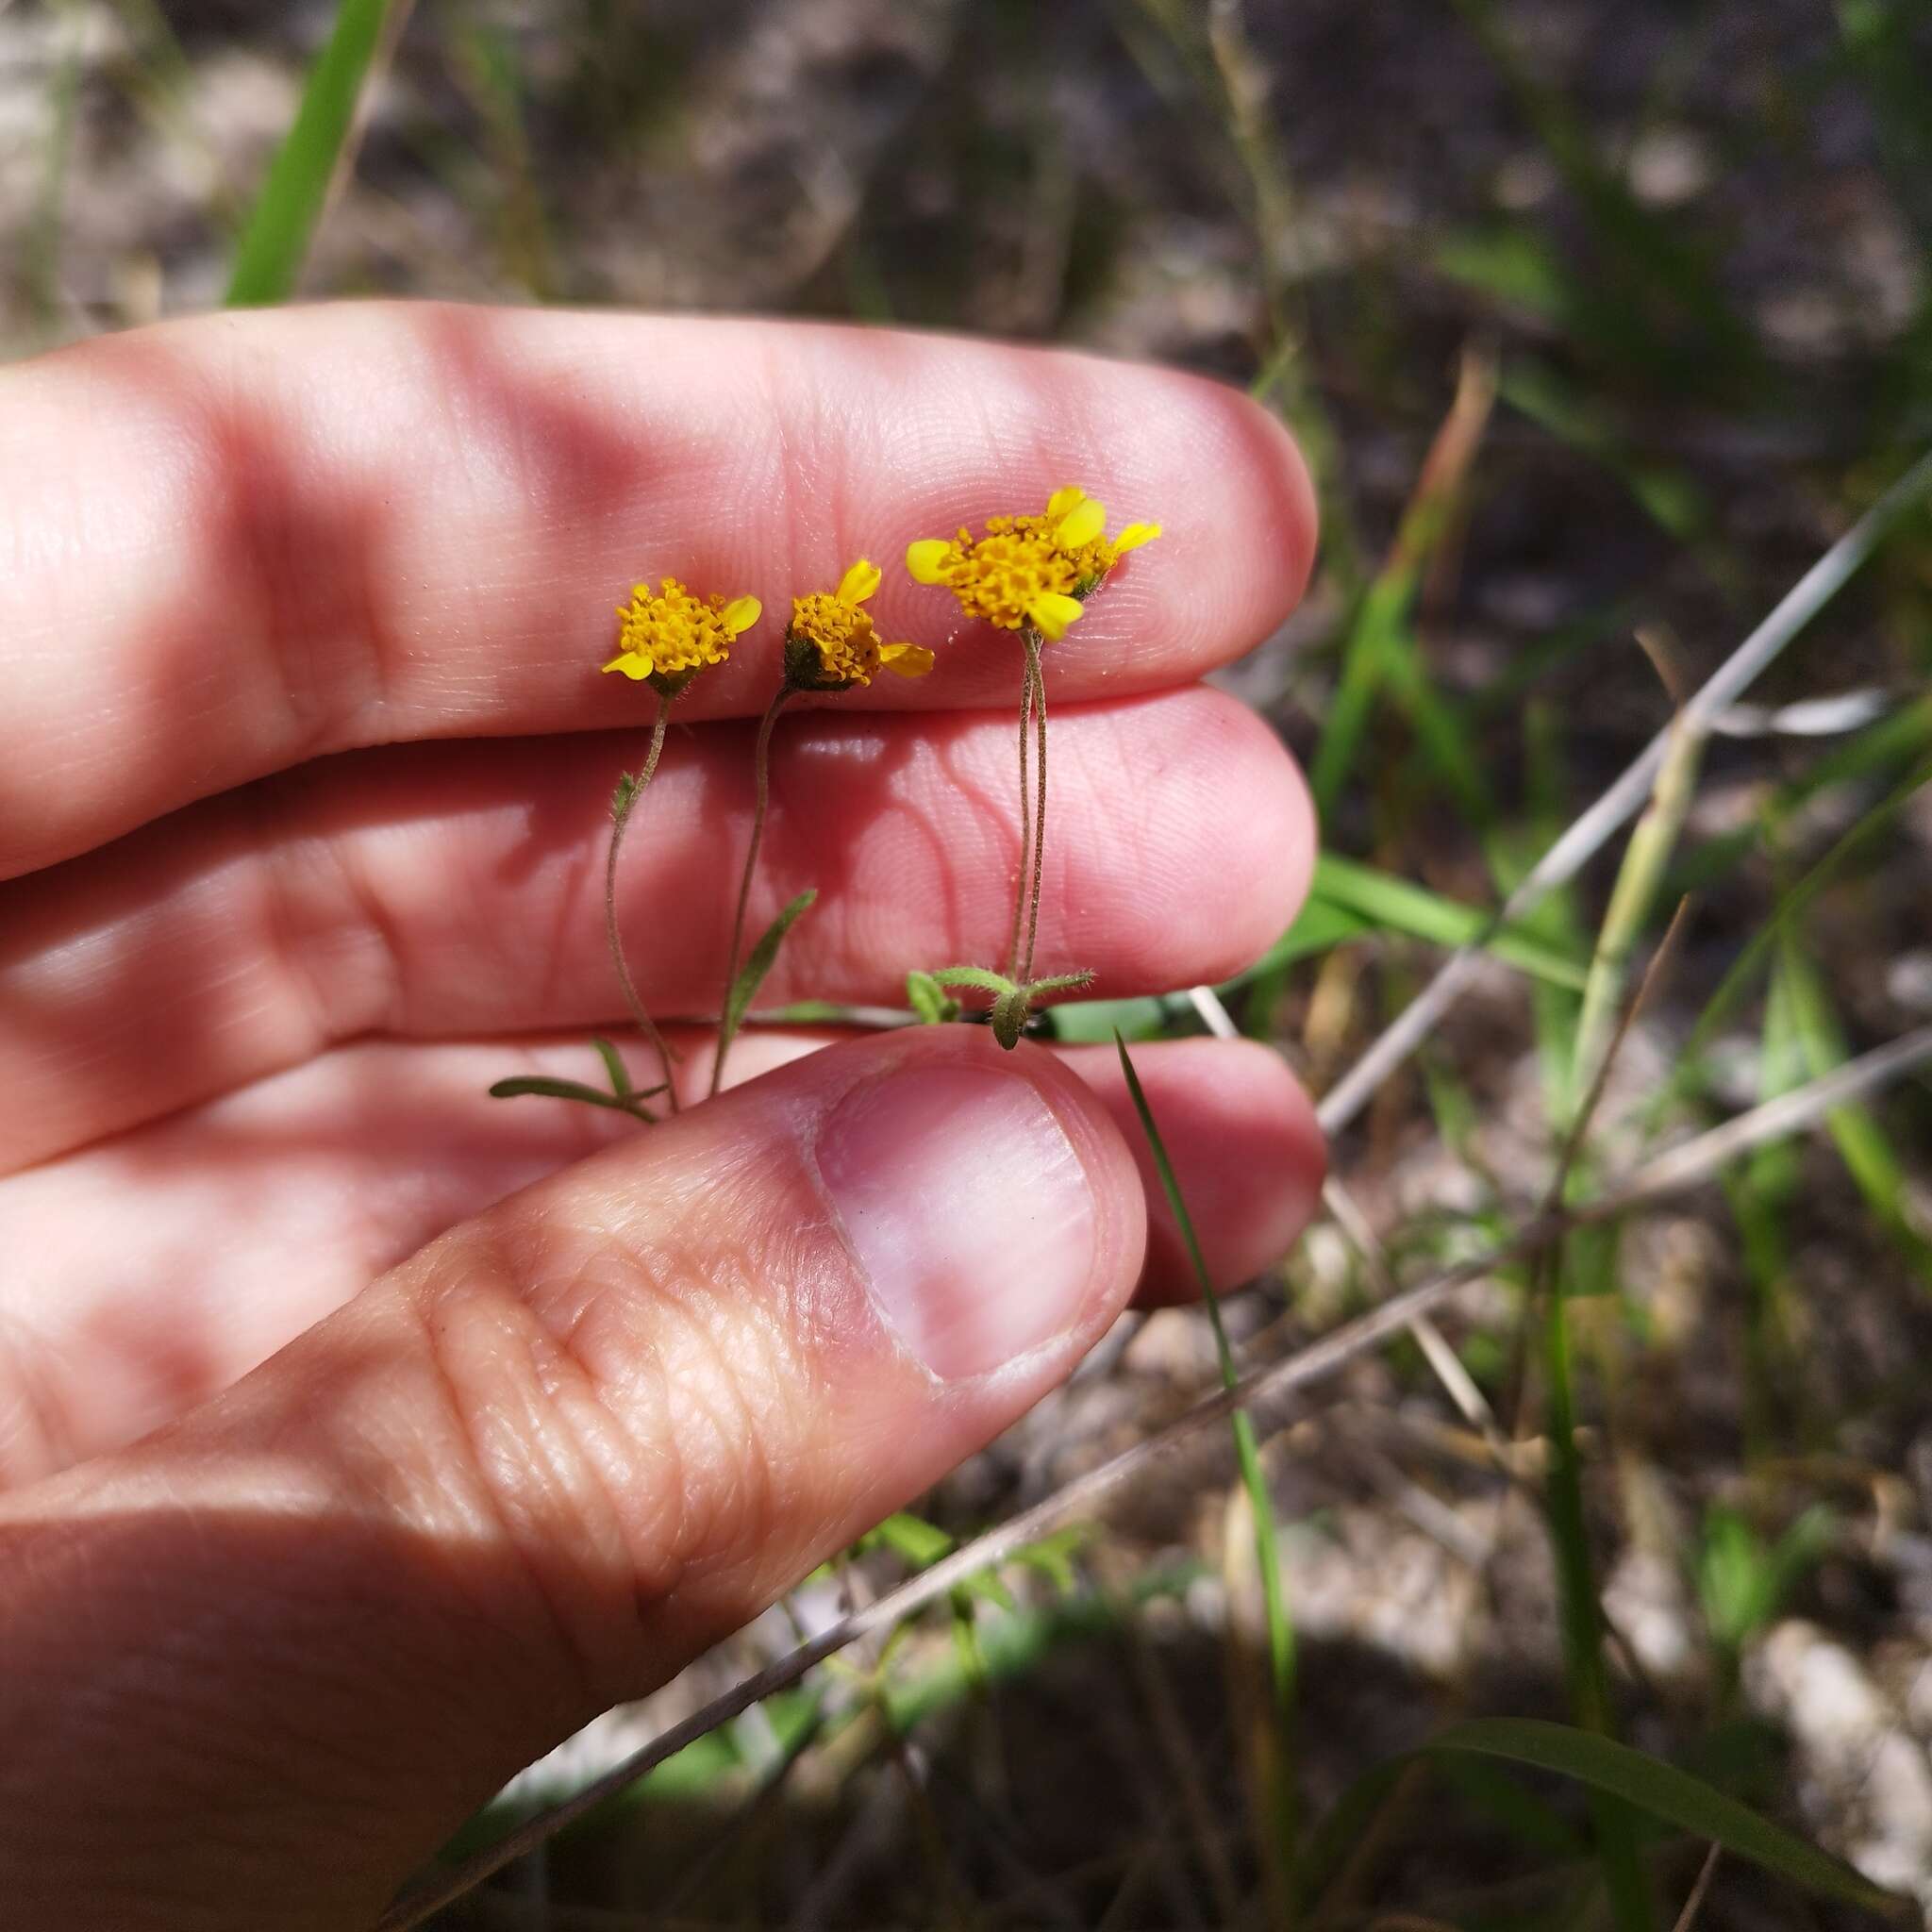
1707	368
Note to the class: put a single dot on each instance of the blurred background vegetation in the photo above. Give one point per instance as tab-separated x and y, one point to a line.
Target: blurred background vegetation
1597	321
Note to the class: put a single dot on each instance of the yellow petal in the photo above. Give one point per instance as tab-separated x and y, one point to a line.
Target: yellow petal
927	558
909	660
1051	613
740	614
1081	524
634	665
859	582
1135	534
1070	496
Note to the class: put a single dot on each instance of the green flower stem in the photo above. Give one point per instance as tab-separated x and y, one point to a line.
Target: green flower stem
1026	828
620	820
762	780
1283	1802
1033	710
1033	646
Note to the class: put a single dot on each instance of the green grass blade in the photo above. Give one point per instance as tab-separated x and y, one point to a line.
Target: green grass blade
1588	1265
1510	265
1639	876
1380	900
276	242
1657	305
1377	635
1534	1823
1661	1791
1760	1193
1556	921
1346	901
1321	926
1650	1784
1867	1154
1791	905
1885	54
1281	1644
1903	733
1667	495
1584	1662
1381	646
1445	742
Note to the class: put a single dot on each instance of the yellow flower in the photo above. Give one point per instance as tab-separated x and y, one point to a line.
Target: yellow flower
830	643
1030	570
673	634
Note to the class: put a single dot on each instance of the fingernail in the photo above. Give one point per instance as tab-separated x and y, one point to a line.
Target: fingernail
968	1209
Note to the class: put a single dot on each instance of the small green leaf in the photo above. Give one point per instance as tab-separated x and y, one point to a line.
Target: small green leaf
614	1066
1059	982
812	1013
1053	1556
1743	1580
624	796
752	975
928	999
986	1584
977	977
911	1539
556	1090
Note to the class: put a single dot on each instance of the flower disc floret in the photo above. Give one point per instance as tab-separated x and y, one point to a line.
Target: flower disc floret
1030	570
671	633
832	645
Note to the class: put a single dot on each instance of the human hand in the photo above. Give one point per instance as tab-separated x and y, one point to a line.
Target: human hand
364	1436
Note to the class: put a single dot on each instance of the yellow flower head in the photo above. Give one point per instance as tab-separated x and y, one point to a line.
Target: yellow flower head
671	634
830	643
1030	570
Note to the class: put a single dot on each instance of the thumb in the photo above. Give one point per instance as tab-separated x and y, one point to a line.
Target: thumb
275	1653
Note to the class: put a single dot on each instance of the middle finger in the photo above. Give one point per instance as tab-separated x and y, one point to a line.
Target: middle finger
455	889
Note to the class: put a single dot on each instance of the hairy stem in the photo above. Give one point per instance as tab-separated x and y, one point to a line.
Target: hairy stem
1026	828
1036	685
620	820
762	781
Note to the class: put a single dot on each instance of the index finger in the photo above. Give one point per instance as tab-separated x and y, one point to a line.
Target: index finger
237	543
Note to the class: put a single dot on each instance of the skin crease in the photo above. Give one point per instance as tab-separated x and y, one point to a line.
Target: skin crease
331	1389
